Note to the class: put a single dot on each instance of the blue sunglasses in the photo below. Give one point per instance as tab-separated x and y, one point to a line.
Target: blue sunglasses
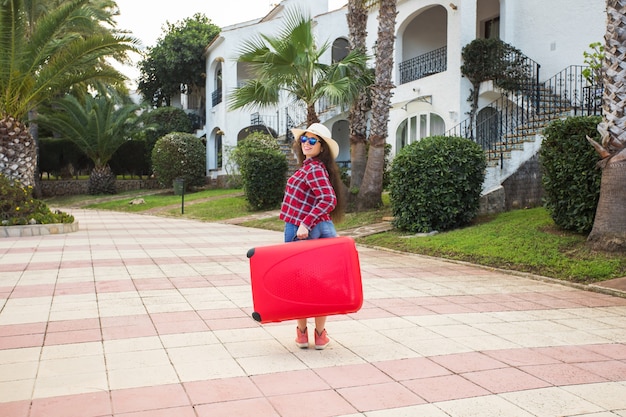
311	139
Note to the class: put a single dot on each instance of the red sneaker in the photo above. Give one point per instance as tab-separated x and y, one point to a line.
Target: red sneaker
302	338
321	340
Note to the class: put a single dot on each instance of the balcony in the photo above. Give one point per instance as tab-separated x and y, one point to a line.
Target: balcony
216	97
430	63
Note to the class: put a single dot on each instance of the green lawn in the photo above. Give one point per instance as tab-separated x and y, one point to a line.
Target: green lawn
521	240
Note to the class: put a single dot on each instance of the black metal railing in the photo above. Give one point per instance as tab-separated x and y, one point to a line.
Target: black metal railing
216	97
508	120
430	63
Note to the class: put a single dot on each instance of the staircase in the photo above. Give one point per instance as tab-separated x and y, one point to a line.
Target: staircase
510	129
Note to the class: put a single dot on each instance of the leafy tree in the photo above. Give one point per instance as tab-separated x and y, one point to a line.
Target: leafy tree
176	64
46	49
290	61
492	59
98	126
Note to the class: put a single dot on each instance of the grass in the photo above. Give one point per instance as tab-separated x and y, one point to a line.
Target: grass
521	240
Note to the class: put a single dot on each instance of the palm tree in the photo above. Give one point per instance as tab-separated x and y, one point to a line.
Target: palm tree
290	62
98	126
357	26
46	48
370	192
609	225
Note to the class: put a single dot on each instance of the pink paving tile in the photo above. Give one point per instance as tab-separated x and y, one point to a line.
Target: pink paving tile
175	316
232	323
22	329
190	282
74	288
222	313
187	411
221	390
124	327
520	357
505	380
87	263
380	396
412	368
73	336
449	309
370	313
467	362
134	320
127	332
15	409
613	351
66	325
100	263
611	370
174	327
81	405
21	341
445	388
352	375
43	290
319	403
149	398
289	383
153	284
257	407
563	374
461	299
121	285
572	354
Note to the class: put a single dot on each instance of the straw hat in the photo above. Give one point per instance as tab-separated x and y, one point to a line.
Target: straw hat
322	131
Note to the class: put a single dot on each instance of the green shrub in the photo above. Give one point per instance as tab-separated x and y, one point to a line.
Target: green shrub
162	121
571	179
179	155
263	169
435	184
18	207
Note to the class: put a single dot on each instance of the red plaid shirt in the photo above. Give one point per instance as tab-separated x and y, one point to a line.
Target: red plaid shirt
309	195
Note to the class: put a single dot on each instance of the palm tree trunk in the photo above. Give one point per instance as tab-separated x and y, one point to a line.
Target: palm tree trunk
18	152
609	225
357	24
370	193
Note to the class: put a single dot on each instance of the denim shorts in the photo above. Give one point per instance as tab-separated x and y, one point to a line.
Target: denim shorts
321	230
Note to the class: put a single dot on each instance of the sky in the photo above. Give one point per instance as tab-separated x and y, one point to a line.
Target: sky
147	18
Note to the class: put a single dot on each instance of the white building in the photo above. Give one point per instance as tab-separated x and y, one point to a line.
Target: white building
430	94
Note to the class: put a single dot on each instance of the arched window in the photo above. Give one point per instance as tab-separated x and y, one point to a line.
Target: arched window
341	47
419	126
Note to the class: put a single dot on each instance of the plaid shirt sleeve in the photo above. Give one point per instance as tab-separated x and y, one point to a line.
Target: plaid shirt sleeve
309	196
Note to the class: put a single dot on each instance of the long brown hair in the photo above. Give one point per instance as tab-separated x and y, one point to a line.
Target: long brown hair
333	174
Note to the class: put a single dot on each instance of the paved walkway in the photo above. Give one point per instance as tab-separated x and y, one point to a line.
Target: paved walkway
137	316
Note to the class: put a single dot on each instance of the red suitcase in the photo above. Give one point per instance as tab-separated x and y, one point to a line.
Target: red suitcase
309	278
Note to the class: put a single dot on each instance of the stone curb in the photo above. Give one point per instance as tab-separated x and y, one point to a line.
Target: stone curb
38	229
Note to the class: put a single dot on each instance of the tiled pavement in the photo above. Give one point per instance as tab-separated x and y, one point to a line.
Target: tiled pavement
137	316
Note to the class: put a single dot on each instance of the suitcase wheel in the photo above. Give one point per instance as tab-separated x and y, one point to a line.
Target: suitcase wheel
256	316
250	253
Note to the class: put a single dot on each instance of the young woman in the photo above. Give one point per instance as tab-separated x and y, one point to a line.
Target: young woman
313	200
